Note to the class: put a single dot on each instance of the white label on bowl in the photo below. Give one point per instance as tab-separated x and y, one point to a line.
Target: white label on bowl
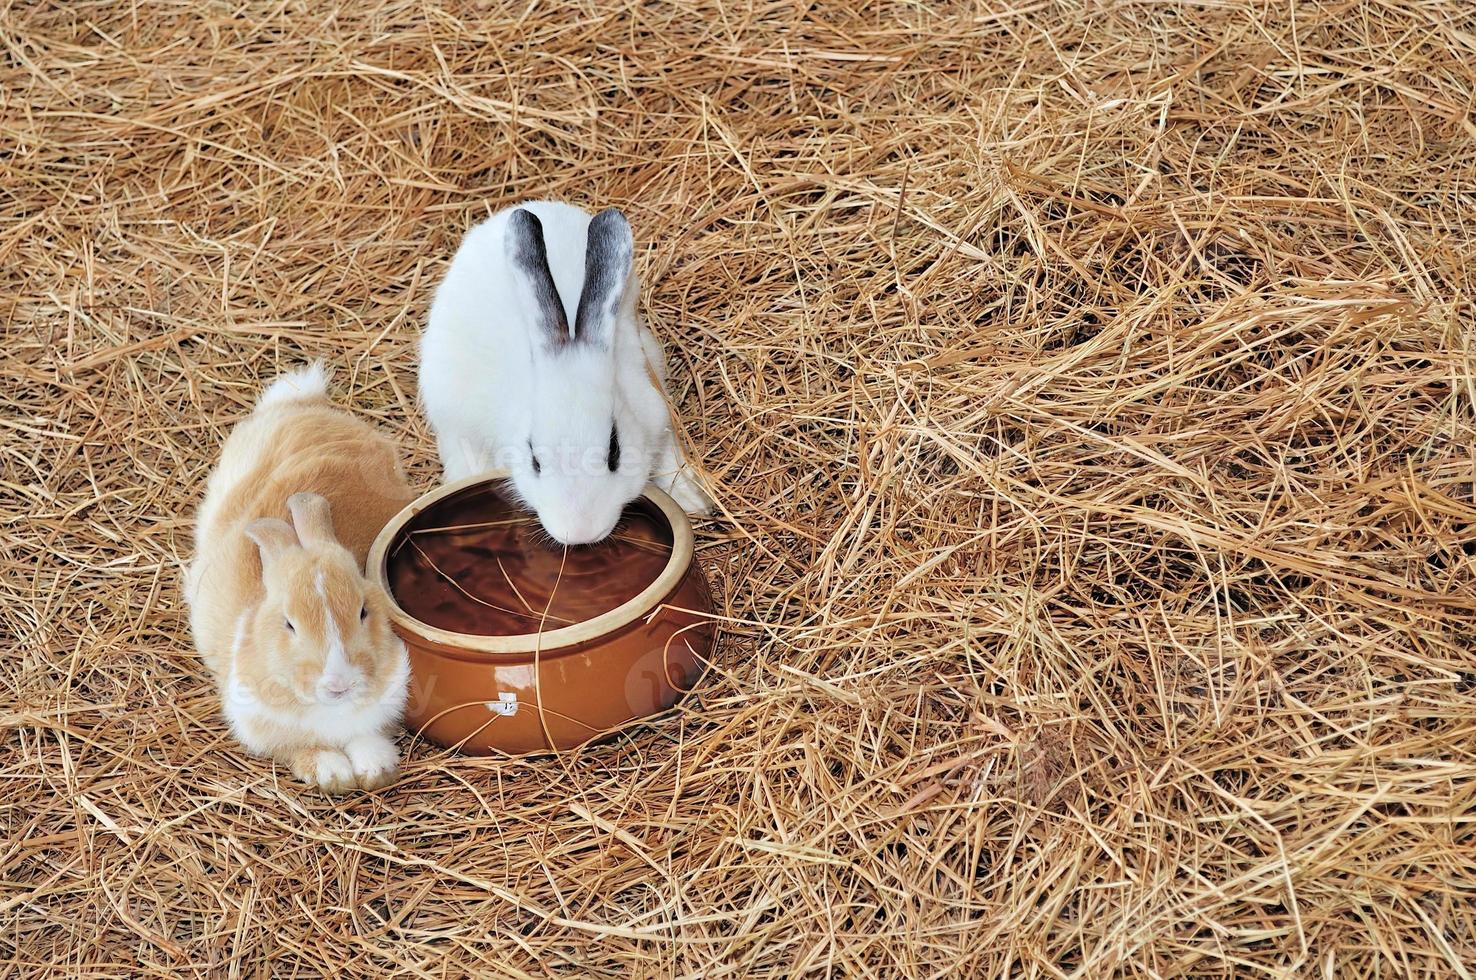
505	705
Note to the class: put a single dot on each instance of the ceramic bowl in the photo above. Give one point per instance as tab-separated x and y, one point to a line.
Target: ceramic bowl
563	687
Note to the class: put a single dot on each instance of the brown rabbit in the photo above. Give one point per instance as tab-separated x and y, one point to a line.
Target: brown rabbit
309	671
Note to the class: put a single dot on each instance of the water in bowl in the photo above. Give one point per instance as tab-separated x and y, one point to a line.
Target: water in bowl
473	563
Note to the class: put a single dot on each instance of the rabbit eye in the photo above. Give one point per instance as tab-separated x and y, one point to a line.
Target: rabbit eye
290	627
363	612
537	466
612	458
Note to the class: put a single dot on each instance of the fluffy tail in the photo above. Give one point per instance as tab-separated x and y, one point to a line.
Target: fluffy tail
307	383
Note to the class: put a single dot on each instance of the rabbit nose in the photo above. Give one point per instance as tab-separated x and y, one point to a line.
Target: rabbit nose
336	687
581	532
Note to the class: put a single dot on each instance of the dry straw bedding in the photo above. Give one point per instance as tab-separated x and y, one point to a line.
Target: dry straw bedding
1087	387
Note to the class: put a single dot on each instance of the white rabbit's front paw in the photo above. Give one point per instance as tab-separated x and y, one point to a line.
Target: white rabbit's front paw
327	769
461	458
375	760
687	492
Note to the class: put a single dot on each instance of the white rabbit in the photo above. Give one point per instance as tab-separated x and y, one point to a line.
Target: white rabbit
534	360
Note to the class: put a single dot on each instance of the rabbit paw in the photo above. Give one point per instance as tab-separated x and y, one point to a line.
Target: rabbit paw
375	760
327	769
688	494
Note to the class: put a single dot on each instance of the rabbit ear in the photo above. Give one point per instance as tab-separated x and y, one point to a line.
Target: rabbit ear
529	259
273	536
606	269
312	518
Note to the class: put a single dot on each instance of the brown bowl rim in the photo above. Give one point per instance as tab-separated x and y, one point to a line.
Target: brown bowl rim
534	644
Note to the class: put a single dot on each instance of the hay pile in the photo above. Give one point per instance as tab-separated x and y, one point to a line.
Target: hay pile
1088	387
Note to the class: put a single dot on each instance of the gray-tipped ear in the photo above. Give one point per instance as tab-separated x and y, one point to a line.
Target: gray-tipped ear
606	269
273	536
312	518
529	258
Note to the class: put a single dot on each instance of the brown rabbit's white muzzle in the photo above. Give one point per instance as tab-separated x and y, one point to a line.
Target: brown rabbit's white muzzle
340	681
